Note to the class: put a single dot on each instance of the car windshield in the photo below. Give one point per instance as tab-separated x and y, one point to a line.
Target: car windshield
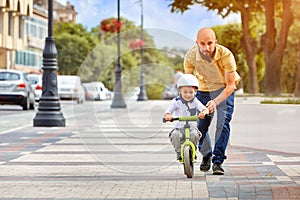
66	80
33	80
9	76
91	87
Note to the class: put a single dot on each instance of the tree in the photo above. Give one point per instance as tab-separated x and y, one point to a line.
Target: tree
273	44
297	15
72	50
73	45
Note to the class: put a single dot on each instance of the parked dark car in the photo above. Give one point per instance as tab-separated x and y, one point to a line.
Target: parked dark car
170	92
16	89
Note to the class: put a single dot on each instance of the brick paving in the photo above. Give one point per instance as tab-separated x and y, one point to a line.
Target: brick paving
125	154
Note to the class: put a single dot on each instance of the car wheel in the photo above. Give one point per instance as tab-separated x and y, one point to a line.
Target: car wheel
32	105
26	104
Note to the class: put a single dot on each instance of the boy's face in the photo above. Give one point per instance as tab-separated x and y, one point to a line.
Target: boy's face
187	92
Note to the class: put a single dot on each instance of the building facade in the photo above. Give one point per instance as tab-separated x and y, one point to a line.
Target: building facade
12	29
23	29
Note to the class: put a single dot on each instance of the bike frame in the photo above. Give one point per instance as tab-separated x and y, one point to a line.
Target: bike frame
187	141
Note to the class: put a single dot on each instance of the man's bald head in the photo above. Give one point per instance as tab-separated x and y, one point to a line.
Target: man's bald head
206	34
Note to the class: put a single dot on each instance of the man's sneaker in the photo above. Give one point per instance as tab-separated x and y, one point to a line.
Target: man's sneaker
217	169
205	164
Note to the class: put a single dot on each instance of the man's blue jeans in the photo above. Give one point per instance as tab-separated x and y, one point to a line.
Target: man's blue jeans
224	114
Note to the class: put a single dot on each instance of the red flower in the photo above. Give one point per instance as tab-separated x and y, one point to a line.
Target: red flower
110	25
136	44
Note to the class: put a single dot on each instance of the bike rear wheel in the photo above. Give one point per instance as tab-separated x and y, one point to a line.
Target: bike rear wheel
188	163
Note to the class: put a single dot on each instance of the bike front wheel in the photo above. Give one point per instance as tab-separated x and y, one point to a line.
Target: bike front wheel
188	162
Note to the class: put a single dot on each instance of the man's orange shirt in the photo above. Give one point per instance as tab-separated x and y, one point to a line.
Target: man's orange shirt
211	75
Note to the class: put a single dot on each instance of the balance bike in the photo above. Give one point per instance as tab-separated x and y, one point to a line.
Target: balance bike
188	149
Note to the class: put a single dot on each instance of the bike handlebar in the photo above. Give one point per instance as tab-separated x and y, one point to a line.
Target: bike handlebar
183	118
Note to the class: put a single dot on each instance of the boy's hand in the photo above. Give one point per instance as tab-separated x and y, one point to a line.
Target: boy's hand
203	113
168	117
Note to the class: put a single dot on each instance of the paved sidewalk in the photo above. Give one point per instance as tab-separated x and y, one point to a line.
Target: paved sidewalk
126	154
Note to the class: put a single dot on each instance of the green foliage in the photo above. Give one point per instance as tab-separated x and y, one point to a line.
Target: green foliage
73	44
95	66
74	29
72	50
284	101
290	60
223	8
260	67
93	56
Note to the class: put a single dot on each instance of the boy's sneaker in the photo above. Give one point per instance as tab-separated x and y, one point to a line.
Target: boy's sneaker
179	159
217	169
205	164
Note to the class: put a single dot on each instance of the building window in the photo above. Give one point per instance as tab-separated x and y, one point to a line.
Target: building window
1	20
35	28
28	58
10	23
20	27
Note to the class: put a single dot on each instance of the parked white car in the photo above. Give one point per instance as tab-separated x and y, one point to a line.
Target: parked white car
36	82
96	91
70	88
132	94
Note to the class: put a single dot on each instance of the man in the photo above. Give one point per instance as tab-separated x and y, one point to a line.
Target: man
214	66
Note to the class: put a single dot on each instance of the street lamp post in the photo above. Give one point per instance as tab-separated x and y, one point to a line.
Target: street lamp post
118	100
143	94
49	114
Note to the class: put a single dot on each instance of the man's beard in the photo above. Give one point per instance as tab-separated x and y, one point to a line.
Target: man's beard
205	55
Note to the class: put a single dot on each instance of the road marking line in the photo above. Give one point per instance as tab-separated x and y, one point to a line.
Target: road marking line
14	129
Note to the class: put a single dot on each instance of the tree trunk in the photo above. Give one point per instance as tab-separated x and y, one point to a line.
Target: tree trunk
274	49
297	89
251	48
272	75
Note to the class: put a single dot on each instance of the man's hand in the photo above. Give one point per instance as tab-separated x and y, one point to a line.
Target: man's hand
211	106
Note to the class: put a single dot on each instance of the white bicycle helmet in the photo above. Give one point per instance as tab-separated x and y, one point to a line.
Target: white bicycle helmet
187	80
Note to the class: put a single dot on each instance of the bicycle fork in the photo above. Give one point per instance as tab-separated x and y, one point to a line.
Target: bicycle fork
188	142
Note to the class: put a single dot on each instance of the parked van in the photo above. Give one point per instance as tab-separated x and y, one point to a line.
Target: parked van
70	88
96	91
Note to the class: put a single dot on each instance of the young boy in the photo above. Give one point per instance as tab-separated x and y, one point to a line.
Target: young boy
185	105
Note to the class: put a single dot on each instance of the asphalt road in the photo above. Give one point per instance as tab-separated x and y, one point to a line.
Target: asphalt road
261	126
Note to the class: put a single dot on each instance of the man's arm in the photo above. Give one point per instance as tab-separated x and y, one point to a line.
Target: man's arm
188	68
230	86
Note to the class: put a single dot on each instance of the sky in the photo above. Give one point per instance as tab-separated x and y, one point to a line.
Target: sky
156	16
